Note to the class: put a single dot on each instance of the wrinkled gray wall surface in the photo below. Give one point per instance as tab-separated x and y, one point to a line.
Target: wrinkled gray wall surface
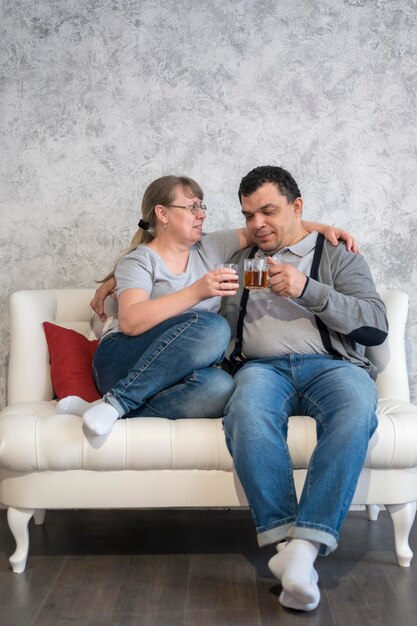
101	97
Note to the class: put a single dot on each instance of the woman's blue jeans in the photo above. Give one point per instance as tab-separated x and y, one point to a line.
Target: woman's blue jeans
342	398
167	371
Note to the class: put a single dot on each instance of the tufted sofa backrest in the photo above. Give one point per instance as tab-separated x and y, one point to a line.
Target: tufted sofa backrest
29	371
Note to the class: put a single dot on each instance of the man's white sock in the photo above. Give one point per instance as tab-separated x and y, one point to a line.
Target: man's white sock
294	567
99	419
291	603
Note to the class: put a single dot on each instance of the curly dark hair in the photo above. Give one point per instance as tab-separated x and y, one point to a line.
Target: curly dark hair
269	174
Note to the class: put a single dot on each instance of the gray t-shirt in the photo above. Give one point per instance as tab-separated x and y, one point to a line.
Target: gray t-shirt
145	269
275	325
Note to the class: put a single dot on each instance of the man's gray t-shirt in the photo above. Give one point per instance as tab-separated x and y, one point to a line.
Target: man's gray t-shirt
145	269
275	325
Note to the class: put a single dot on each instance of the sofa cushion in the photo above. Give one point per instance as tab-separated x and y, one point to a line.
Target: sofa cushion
71	356
34	438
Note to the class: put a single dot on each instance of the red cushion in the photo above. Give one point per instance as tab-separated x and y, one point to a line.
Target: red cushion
71	356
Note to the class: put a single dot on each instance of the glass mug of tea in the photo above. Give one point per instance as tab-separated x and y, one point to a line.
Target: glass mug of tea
256	273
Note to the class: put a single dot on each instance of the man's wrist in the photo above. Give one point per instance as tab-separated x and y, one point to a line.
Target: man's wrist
305	287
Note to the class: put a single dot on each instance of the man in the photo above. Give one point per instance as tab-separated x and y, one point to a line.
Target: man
300	350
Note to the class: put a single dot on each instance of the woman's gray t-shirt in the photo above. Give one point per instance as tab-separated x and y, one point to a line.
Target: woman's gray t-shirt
145	269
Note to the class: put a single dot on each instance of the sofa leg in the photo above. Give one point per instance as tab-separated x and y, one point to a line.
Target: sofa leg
372	511
402	516
39	516
18	520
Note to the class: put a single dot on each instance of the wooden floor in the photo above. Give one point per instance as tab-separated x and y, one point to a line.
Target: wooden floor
194	568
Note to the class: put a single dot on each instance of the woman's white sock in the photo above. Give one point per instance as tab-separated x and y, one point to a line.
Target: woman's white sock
99	419
74	405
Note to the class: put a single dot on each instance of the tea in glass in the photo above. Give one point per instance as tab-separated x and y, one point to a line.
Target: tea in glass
256	273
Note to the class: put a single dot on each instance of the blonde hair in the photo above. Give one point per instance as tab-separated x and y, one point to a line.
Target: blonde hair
160	191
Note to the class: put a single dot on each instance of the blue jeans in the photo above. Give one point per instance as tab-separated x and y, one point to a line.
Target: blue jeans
167	371
342	398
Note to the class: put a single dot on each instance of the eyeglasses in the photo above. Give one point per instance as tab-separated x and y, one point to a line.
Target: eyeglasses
193	208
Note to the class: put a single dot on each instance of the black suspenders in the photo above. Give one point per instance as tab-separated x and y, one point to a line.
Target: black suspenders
314	273
236	358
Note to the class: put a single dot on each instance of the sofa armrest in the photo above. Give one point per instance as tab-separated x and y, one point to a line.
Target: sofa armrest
392	380
29	371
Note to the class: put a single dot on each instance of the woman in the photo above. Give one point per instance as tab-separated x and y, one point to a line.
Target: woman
157	358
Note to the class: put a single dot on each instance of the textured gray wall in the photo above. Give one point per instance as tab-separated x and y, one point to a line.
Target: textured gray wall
99	98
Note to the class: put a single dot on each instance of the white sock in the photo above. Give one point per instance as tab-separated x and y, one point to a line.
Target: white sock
291	603
287	600
294	567
100	418
283	544
74	405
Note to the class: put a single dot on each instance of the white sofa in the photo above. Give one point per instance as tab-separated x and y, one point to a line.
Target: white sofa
46	461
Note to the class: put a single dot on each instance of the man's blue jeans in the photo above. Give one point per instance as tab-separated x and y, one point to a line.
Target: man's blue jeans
342	398
167	371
